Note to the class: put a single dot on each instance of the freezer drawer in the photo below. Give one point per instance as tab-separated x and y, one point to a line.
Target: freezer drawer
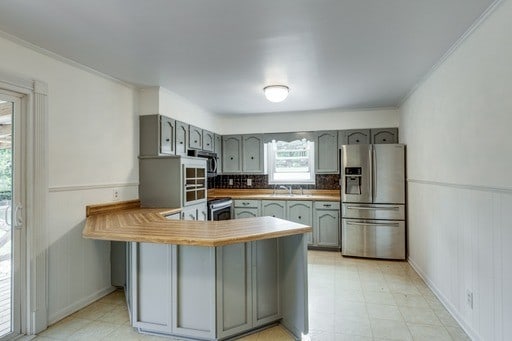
373	238
373	211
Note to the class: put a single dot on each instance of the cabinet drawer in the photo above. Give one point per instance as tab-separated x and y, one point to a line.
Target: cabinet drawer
327	205
373	211
248	203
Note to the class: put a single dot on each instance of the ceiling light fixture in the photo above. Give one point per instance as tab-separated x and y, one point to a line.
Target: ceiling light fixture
276	93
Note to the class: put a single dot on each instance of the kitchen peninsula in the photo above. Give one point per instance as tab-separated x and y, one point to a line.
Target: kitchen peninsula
208	280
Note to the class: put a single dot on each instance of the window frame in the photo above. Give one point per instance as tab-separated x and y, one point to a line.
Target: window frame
270	160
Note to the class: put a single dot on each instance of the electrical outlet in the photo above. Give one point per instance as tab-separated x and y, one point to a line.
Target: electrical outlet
115	194
230	182
469	298
249	182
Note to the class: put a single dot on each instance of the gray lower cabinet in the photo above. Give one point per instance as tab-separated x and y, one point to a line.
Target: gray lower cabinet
247	286
181	138
247	208
327	224
231	154
326	155
301	212
273	208
195	212
384	135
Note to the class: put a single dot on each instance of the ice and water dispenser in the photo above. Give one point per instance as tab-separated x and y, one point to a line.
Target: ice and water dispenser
353	180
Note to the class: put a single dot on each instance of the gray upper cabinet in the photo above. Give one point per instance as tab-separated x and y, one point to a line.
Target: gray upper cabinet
181	138
252	154
358	136
273	208
208	141
326	152
231	153
157	135
218	151
384	135
195	137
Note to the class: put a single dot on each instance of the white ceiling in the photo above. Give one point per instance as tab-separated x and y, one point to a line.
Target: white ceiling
219	54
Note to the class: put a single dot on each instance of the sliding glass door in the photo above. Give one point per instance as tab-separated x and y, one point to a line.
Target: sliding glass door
11	216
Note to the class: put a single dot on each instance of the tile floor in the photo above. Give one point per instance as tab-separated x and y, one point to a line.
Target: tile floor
349	299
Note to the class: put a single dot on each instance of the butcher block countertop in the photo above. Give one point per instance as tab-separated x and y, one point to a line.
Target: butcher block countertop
280	194
135	224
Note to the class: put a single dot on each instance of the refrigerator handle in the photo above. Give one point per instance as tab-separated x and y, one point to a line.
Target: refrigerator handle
374	173
370	151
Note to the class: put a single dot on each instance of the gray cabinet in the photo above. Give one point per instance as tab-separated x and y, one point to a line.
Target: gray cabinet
231	154
355	136
157	135
384	135
218	151
195	212
208	141
273	208
247	208
326	155
195	137
327	224
252	154
301	212
181	138
247	286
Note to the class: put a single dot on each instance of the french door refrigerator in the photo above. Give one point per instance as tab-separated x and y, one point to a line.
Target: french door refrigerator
373	200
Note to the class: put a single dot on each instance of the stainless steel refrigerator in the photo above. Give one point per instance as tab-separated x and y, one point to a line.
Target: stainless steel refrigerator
373	200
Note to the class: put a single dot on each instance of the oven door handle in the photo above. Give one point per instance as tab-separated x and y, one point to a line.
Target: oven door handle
220	205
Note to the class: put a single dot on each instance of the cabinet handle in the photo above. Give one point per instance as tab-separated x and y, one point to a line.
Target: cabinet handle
252	157
327	205
357	141
273	215
167	140
181	142
245	203
300	217
231	158
195	141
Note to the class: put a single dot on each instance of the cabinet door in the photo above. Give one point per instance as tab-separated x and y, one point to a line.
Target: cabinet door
273	208
252	154
218	151
384	135
195	137
360	136
208	141
246	212
202	212
326	152
328	226
167	138
302	212
181	138
231	150
265	281
189	213
234	289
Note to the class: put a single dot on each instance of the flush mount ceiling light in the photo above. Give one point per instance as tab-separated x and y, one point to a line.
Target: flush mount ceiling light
276	93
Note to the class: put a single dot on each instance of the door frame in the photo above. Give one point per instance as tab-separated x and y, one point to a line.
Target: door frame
34	144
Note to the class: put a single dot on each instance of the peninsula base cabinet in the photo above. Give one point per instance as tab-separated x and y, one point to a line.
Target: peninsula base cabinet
214	293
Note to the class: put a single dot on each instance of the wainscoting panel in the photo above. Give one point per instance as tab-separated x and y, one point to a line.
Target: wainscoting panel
460	241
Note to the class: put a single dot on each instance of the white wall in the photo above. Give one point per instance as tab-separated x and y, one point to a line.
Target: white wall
457	127
308	121
93	134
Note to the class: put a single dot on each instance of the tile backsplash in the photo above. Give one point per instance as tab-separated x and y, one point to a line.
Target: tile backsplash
260	181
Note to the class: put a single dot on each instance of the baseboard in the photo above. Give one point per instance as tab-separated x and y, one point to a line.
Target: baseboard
444	301
59	315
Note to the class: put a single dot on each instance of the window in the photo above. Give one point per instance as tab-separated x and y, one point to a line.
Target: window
291	162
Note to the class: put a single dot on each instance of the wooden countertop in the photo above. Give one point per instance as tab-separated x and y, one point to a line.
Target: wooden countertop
150	225
268	194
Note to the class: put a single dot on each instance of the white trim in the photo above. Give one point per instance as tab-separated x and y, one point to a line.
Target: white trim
35	144
89	187
462	186
63	59
451	309
451	50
